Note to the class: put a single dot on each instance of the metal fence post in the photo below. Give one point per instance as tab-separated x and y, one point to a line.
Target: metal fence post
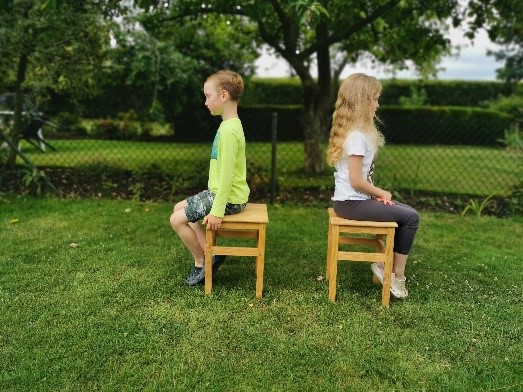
273	155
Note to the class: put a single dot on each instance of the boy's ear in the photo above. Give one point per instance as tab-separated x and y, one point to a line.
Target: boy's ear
225	95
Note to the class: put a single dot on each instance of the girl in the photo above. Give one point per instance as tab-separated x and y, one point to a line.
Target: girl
353	143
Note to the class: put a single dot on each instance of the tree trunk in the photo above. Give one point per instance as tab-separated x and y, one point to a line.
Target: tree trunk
313	152
311	128
19	107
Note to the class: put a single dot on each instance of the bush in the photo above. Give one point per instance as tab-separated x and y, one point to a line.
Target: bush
443	125
109	129
68	124
257	122
273	91
512	105
401	125
287	91
443	93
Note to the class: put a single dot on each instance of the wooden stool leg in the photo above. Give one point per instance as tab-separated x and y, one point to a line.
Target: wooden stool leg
260	261
389	261
329	245
332	261
210	239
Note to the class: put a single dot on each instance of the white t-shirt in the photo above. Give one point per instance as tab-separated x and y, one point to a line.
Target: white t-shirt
357	143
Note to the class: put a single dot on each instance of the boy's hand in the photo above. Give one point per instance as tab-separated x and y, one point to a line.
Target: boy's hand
212	222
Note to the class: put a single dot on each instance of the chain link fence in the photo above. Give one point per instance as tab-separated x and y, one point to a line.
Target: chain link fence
418	164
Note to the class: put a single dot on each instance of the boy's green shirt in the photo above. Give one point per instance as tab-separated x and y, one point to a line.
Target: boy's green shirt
228	168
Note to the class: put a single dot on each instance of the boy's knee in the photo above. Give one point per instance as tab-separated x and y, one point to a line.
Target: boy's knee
176	220
179	205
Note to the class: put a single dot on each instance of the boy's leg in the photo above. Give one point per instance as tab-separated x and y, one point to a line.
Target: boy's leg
189	233
200	233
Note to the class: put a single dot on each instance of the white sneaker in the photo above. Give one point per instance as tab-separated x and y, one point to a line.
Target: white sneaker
377	270
397	287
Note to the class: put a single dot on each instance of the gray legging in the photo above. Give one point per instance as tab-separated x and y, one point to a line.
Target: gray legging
371	210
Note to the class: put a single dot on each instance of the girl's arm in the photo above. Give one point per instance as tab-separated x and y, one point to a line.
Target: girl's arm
364	186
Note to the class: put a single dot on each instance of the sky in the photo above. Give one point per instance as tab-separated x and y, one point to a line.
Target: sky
471	64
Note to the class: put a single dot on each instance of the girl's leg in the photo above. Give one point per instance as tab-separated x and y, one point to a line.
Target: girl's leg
400	261
406	217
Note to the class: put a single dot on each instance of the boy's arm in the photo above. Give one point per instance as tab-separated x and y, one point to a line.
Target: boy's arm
228	150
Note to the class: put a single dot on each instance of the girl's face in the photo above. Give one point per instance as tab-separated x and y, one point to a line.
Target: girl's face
214	98
374	104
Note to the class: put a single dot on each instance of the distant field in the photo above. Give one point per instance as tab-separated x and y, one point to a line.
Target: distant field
441	169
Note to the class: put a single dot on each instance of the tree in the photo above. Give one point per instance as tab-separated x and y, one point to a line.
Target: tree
503	21
50	45
333	33
162	65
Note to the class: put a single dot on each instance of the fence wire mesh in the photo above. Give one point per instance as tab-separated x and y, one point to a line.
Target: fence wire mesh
419	166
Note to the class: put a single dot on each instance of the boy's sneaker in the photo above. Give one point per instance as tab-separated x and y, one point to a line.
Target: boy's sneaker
377	270
397	287
196	276
217	260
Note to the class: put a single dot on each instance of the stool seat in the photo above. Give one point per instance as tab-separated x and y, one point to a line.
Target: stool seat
250	223
378	235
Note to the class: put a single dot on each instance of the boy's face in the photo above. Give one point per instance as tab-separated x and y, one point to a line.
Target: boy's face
214	98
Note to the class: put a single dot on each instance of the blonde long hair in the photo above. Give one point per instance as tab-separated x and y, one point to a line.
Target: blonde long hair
353	112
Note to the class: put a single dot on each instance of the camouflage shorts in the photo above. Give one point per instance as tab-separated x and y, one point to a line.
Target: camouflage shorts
199	205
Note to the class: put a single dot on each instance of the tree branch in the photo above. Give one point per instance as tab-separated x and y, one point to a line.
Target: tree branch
329	40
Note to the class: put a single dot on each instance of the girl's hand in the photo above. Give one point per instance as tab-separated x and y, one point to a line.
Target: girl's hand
384	201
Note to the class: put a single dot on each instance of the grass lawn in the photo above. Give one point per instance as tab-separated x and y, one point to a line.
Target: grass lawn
437	169
93	298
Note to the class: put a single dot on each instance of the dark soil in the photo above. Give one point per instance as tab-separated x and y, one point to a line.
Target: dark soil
151	188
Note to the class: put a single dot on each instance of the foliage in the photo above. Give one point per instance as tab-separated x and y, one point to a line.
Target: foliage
503	22
443	125
513	139
418	97
35	180
125	129
68	124
333	34
476	207
64	45
46	46
512	105
158	69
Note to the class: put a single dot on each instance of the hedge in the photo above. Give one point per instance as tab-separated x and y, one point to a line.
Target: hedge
443	125
415	125
110	129
287	91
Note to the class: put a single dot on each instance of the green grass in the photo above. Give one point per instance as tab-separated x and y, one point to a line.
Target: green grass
92	298
437	169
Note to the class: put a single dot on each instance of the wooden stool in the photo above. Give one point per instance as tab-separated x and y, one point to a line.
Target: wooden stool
383	248
250	223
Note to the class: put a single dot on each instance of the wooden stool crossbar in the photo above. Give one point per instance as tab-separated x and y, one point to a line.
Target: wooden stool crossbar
250	223
379	235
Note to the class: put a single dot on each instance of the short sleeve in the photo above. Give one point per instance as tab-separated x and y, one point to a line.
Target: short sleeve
356	144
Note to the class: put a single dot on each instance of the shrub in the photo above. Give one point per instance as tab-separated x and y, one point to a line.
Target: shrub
68	124
443	125
126	130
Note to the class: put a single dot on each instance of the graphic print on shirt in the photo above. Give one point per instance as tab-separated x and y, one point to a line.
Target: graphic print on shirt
214	150
371	173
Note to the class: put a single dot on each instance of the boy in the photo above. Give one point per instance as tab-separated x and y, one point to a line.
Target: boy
228	190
